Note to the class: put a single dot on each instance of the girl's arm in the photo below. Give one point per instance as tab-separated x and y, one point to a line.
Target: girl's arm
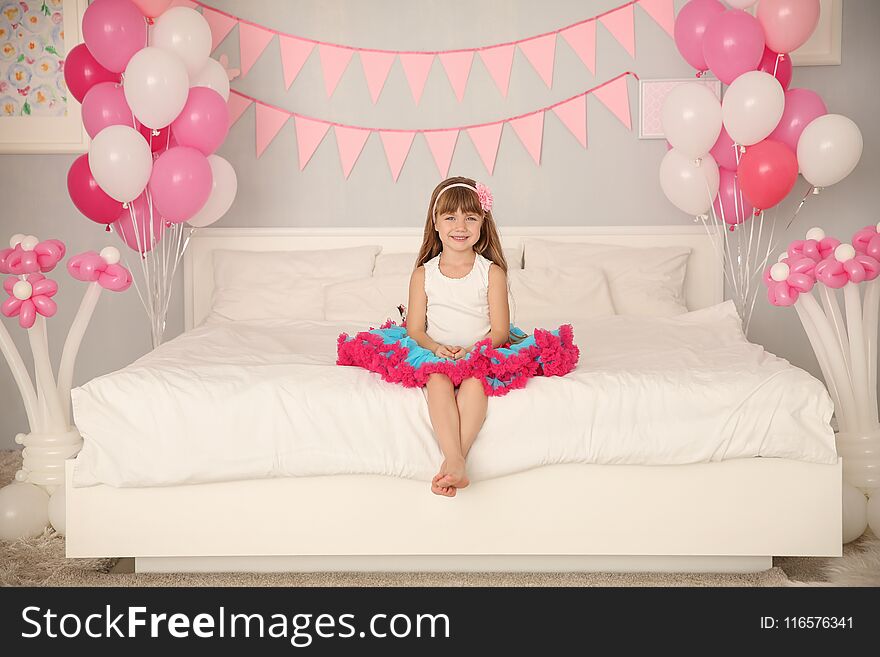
416	312
499	309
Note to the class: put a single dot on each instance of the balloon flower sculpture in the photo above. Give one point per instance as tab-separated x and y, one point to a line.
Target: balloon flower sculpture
154	104
732	160
25	505
845	344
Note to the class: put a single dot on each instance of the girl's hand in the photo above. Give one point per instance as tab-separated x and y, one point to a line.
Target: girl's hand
445	351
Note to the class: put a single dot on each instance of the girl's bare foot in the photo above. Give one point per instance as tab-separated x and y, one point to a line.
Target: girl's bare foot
452	474
437	489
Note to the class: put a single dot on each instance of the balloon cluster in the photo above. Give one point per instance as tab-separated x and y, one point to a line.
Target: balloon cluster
742	155
154	104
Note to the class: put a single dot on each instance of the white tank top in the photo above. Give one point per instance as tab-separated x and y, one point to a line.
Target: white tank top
458	308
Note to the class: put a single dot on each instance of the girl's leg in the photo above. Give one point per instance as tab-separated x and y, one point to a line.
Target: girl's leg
444	418
472	403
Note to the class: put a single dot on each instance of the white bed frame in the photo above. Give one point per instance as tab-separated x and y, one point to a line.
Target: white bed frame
731	516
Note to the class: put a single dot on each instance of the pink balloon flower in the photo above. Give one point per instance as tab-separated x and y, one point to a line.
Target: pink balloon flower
28	297
104	269
812	248
30	256
845	265
867	241
788	279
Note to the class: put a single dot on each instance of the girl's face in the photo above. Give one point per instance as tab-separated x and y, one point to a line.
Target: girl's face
458	230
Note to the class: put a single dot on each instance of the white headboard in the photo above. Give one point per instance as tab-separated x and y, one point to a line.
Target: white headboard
703	285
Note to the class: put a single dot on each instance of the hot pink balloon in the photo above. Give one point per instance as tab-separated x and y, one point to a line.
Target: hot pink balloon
801	107
152	8
767	172
136	231
733	44
114	30
180	183
724	151
87	195
105	105
158	142
82	72
203	122
690	26
730	202
788	23
776	65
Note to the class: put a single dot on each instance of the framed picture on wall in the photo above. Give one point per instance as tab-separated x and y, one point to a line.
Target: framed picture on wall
37	114
652	93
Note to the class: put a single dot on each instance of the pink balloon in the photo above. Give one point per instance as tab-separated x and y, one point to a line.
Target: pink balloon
180	183
733	44
801	107
724	151
152	8
160	142
690	26
87	195
788	23
778	66
135	231
767	172
105	105
730	202
82	72
114	30
203	122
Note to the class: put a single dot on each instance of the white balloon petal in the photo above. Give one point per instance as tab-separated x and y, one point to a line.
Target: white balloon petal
855	515
24	511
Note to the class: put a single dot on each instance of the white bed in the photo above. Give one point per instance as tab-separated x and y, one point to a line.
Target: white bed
643	458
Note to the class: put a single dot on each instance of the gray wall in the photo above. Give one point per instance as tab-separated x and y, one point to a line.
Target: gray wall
614	181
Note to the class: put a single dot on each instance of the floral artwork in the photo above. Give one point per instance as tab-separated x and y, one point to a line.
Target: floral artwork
32	58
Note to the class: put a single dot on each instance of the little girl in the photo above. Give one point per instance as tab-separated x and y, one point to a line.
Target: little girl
457	340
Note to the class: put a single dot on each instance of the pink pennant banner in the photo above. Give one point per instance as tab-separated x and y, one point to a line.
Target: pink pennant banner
620	23
184	3
615	96
541	52
661	11
294	53
309	134
334	61
458	68
350	142
269	121
486	138
573	115
220	25
582	39
397	144
530	130
499	61
416	66
237	105
252	41
442	146
376	66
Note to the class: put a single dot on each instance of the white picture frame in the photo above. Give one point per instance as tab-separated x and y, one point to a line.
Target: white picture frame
652	93
45	134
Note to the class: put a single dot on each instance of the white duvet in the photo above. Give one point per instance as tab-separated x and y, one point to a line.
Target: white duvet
243	400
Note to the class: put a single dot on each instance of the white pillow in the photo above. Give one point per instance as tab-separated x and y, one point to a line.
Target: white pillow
257	285
548	298
371	300
402	263
643	281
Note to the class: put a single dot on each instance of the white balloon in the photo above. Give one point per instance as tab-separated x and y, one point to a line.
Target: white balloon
58	510
691	118
121	161
855	517
740	4
829	149
213	76
689	186
223	190
873	511
156	86
185	33
752	107
24	511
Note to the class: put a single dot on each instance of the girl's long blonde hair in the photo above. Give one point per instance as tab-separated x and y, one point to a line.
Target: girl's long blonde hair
464	199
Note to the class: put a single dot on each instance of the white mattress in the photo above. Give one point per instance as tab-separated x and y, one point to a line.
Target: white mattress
242	400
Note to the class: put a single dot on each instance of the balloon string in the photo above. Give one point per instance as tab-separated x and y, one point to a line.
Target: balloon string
776	65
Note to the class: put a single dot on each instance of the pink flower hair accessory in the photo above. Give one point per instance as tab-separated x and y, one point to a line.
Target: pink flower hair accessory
28	255
485	196
846	266
28	297
785	283
103	268
817	246
867	241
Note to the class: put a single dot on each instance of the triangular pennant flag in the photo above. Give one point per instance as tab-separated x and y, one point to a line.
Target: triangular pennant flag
416	66
530	130
252	41
269	121
376	66
458	67
582	39
309	134
294	53
574	115
541	52
662	12
350	142
237	105
183	3
442	145
334	61
220	25
396	145
498	61
620	23
615	96
486	140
